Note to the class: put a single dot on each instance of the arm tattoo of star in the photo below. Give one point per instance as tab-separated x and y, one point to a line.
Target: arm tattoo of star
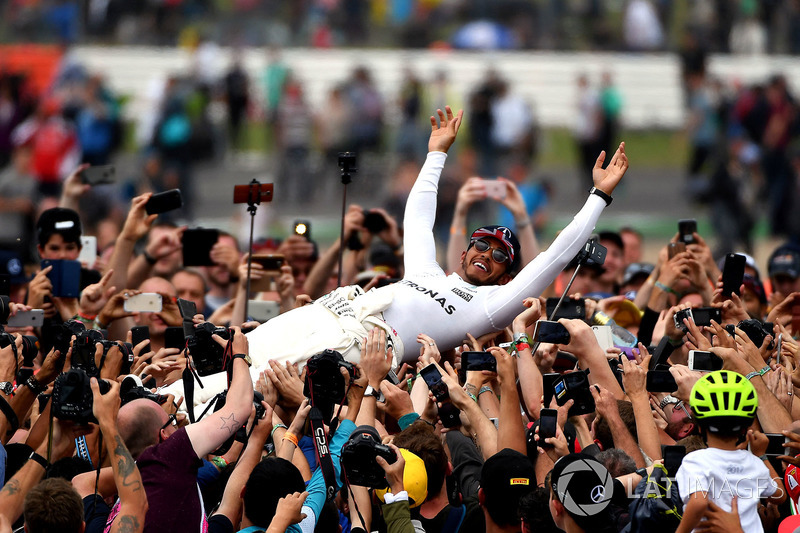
229	423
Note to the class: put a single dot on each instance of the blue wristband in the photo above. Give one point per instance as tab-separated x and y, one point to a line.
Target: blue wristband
407	419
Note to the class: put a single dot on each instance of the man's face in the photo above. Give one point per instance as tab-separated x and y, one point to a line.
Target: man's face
784	284
57	248
680	424
615	263
633	247
480	269
752	304
190	287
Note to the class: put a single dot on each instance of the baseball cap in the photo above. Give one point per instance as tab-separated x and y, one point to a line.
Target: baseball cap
635	270
11	265
613	237
792	482
415	479
790	524
785	260
506	477
506	238
61	220
583	486
755	285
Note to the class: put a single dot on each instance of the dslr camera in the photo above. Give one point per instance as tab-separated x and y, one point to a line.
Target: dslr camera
324	384
758	331
358	458
131	389
206	354
72	396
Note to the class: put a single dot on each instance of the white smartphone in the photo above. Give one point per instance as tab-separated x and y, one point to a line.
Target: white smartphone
703	361
603	336
88	254
263	310
147	302
495	189
23	319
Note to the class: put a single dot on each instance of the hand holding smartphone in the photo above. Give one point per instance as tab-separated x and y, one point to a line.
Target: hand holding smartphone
733	274
433	378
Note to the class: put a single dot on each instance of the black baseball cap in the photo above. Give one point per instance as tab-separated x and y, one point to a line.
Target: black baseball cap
635	270
506	477
611	236
584	487
61	220
785	260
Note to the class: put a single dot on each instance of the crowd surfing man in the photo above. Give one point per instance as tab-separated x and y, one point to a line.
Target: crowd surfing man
481	297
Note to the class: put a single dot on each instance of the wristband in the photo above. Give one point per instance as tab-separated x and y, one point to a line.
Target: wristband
276	426
755	373
291	437
522	346
485	388
88	318
407	419
521	337
602	194
11	416
458	231
475	398
36	387
524	223
99	325
665	288
149	258
39	459
642	472
83	450
763	457
219	462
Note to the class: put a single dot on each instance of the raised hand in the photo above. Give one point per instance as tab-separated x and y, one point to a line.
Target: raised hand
444	134
607	179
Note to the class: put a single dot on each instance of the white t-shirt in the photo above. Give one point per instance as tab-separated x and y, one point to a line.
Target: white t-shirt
724	474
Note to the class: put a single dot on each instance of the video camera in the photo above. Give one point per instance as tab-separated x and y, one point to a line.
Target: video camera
325	385
359	456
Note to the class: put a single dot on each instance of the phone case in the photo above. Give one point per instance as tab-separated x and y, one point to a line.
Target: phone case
603	336
144	303
23	319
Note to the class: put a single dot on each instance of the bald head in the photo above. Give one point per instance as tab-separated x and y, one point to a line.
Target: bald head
139	424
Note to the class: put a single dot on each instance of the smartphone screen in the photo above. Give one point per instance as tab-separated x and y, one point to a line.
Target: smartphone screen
733	274
776	444
548	420
571	308
686	228
174	338
551	332
479	361
704	361
433	378
660	381
704	315
164	202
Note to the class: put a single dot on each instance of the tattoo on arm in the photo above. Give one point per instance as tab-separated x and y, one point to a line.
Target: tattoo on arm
11	488
469	387
127	524
230	423
125	464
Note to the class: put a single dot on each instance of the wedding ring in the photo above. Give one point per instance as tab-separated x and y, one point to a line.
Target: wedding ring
430	344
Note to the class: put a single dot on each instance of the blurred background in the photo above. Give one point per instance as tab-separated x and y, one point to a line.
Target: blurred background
206	94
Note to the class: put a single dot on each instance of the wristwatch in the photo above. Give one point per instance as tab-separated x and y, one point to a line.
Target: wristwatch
372	392
667	400
244	356
6	387
605	196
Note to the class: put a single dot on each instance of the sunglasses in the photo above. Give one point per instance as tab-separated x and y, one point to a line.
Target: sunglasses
171	421
682	407
498	255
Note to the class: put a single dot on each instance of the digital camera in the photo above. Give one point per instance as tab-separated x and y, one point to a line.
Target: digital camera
325	385
206	353
358	458
72	396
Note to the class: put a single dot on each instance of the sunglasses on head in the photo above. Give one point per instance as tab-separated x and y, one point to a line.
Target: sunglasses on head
498	255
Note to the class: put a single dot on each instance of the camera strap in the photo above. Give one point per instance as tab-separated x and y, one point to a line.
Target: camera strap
323	452
189	375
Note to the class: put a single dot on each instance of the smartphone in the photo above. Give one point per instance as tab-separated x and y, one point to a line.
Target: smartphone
146	302
776	444
574	386
548	382
660	381
678	318
548	421
139	334
164	202
476	361
433	378
374	222
495	189
88	254
658	355
303	228
65	277
187	308
673	457
551	332
704	315
674	248
571	308
392	378
703	361
174	338
262	310
271	263
34	318
197	244
686	228
98	175
449	415
252	193
603	336
733	274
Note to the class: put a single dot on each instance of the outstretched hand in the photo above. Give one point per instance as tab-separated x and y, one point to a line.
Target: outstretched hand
607	179
444	134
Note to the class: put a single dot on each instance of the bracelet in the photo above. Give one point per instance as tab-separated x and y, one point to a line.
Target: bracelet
667	400
88	318
410	383
524	223
11	416
149	258
219	462
458	231
755	373
291	437
474	398
39	459
99	325
522	346
665	288
674	343
763	457
485	388
275	427
36	387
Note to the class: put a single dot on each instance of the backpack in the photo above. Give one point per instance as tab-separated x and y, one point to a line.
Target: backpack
657	506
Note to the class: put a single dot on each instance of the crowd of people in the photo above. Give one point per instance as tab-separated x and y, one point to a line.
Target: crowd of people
145	389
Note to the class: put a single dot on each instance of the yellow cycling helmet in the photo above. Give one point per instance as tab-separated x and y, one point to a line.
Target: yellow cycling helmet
415	479
723	394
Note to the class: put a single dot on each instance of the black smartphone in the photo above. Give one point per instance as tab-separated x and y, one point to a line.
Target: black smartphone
776	444
571	308
686	228
197	244
174	338
479	361
548	382
704	315
449	415
548	421
303	228
552	332
673	457
270	262
733	274
433	378
164	202
374	222
575	386
65	277
703	361
660	381
187	308
139	334
659	355
98	175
